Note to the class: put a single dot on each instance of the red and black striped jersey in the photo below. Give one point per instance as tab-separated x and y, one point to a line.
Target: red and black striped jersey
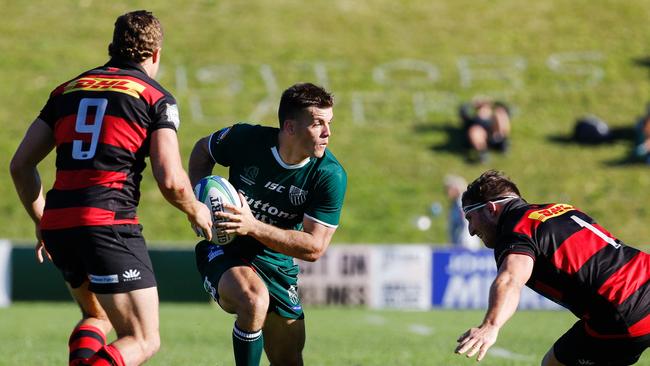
580	265
102	121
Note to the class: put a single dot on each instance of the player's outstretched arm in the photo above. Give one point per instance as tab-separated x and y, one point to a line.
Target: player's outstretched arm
174	183
309	244
504	299
201	163
37	143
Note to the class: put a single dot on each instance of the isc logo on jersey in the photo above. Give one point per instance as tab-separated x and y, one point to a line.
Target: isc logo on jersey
214	191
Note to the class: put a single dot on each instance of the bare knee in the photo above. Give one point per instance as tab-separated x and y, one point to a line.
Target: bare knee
92	313
151	345
142	346
256	302
251	309
243	293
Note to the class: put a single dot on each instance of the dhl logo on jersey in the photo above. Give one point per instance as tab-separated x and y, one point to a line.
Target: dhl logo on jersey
125	86
553	211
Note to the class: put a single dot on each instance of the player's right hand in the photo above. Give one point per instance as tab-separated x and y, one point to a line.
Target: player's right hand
477	341
40	246
201	220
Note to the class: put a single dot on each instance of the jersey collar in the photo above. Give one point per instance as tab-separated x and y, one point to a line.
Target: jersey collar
124	64
507	208
276	155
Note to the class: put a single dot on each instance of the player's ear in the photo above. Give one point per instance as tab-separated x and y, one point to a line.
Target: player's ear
156	55
492	207
290	126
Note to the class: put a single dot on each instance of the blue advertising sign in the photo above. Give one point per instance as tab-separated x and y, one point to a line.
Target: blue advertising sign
461	279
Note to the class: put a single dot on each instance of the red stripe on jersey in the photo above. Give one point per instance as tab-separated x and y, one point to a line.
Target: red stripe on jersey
78	179
526	225
124	134
150	94
63	218
577	249
115	131
640	328
629	278
59	89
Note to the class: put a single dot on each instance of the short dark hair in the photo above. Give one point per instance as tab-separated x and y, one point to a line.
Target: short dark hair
136	36
491	184
300	96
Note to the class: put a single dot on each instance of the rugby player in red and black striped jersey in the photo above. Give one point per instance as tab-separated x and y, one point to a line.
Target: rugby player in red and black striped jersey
563	254
103	124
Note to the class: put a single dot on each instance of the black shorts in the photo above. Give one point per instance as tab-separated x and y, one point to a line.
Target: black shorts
576	347
113	258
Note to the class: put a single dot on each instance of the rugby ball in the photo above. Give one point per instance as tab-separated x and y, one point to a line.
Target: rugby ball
214	191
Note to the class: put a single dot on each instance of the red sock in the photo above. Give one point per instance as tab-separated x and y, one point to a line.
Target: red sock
106	356
84	342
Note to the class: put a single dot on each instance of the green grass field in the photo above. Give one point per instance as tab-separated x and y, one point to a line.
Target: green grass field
398	71
199	334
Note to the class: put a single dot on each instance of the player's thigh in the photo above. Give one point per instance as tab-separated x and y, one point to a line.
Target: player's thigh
240	287
133	313
284	339
229	280
90	306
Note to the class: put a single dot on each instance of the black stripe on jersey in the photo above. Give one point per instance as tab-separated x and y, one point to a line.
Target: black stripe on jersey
636	306
107	157
557	230
604	263
558	286
95	196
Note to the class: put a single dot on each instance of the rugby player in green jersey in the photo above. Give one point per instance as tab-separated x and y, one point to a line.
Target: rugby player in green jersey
293	188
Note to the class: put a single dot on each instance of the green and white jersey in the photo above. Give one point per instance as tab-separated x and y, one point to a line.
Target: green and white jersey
277	193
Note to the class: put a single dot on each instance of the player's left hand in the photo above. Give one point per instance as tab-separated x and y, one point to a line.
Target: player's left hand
240	219
477	340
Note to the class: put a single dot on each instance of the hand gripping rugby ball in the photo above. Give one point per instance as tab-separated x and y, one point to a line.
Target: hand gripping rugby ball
214	191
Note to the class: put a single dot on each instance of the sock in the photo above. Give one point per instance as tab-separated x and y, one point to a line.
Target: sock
106	356
84	342
247	346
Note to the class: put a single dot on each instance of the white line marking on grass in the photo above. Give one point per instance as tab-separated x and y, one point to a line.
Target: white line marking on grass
375	319
420	329
504	353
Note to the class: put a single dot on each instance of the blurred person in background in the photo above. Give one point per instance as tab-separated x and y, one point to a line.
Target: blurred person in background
103	124
292	189
486	125
564	255
457	225
642	139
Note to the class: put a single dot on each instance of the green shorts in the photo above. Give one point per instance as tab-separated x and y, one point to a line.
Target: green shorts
213	261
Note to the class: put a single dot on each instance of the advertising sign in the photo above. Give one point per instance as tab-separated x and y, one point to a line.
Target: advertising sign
5	273
401	277
340	277
461	279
